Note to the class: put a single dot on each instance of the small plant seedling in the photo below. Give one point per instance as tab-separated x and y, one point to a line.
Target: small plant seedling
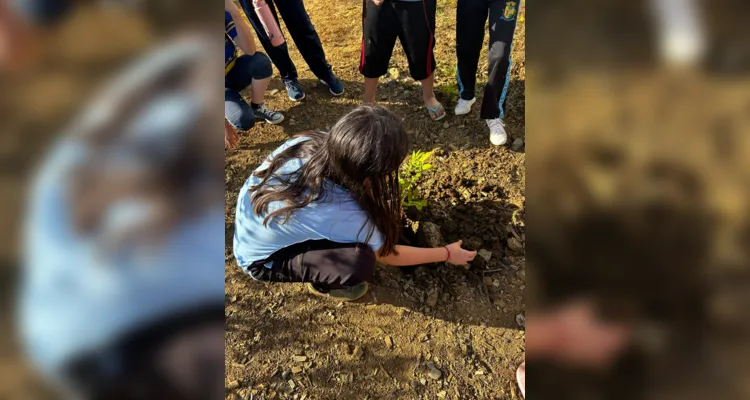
409	177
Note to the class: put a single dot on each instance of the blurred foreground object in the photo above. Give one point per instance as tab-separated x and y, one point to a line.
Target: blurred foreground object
122	292
638	194
682	35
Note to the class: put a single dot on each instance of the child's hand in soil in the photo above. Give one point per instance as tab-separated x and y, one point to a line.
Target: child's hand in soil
459	256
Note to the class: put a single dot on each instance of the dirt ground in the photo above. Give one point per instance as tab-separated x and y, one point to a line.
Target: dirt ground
439	332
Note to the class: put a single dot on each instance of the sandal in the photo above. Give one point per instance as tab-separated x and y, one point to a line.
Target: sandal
434	112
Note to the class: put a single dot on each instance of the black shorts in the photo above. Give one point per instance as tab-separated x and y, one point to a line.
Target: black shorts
413	22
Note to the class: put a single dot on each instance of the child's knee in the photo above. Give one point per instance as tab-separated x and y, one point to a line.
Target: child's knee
262	67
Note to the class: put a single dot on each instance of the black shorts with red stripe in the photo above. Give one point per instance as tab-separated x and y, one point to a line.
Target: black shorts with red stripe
413	22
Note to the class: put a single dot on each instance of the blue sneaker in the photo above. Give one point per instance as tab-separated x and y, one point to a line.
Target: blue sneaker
334	85
294	90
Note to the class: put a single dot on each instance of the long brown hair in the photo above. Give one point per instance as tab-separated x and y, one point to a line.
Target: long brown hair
362	153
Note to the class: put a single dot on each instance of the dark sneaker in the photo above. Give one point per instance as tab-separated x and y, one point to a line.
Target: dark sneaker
294	89
334	85
270	116
348	294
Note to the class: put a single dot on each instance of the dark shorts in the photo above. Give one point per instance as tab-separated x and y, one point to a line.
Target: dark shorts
328	264
412	22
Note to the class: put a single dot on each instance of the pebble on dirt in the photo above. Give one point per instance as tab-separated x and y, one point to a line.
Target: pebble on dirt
521	320
434	372
486	254
432	299
429	235
296	370
233	385
517	144
358	352
514	244
389	342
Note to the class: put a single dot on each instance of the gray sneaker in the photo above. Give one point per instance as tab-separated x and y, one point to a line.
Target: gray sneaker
270	116
349	294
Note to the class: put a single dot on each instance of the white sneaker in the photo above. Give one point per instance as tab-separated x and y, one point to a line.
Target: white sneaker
464	106
498	137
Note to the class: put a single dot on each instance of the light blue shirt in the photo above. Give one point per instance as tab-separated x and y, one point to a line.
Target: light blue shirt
76	299
337	217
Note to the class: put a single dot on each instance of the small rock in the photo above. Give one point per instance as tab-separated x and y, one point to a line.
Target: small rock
521	320
514	244
486	254
446	297
496	283
273	92
389	342
358	352
517	144
435	373
488	280
292	122
432	299
395	73
233	385
291	384
296	370
462	126
479	372
446	125
442	394
429	235
300	358
285	375
505	261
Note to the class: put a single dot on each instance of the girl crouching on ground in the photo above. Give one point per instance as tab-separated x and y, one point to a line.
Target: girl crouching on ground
324	207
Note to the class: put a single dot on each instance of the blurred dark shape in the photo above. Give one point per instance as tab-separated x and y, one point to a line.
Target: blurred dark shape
123	244
122	290
638	194
40	12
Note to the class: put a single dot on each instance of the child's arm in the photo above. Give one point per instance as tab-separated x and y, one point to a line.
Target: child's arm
407	255
245	38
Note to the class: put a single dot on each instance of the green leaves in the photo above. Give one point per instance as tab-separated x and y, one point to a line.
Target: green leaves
409	177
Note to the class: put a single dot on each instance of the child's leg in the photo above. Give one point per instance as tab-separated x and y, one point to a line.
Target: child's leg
503	16
328	265
279	54
257	68
305	37
379	32
416	32
371	87
471	17
236	110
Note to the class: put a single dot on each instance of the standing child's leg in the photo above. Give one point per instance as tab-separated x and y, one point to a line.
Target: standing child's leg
503	16
278	54
379	32
339	270
306	39
416	32
471	17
